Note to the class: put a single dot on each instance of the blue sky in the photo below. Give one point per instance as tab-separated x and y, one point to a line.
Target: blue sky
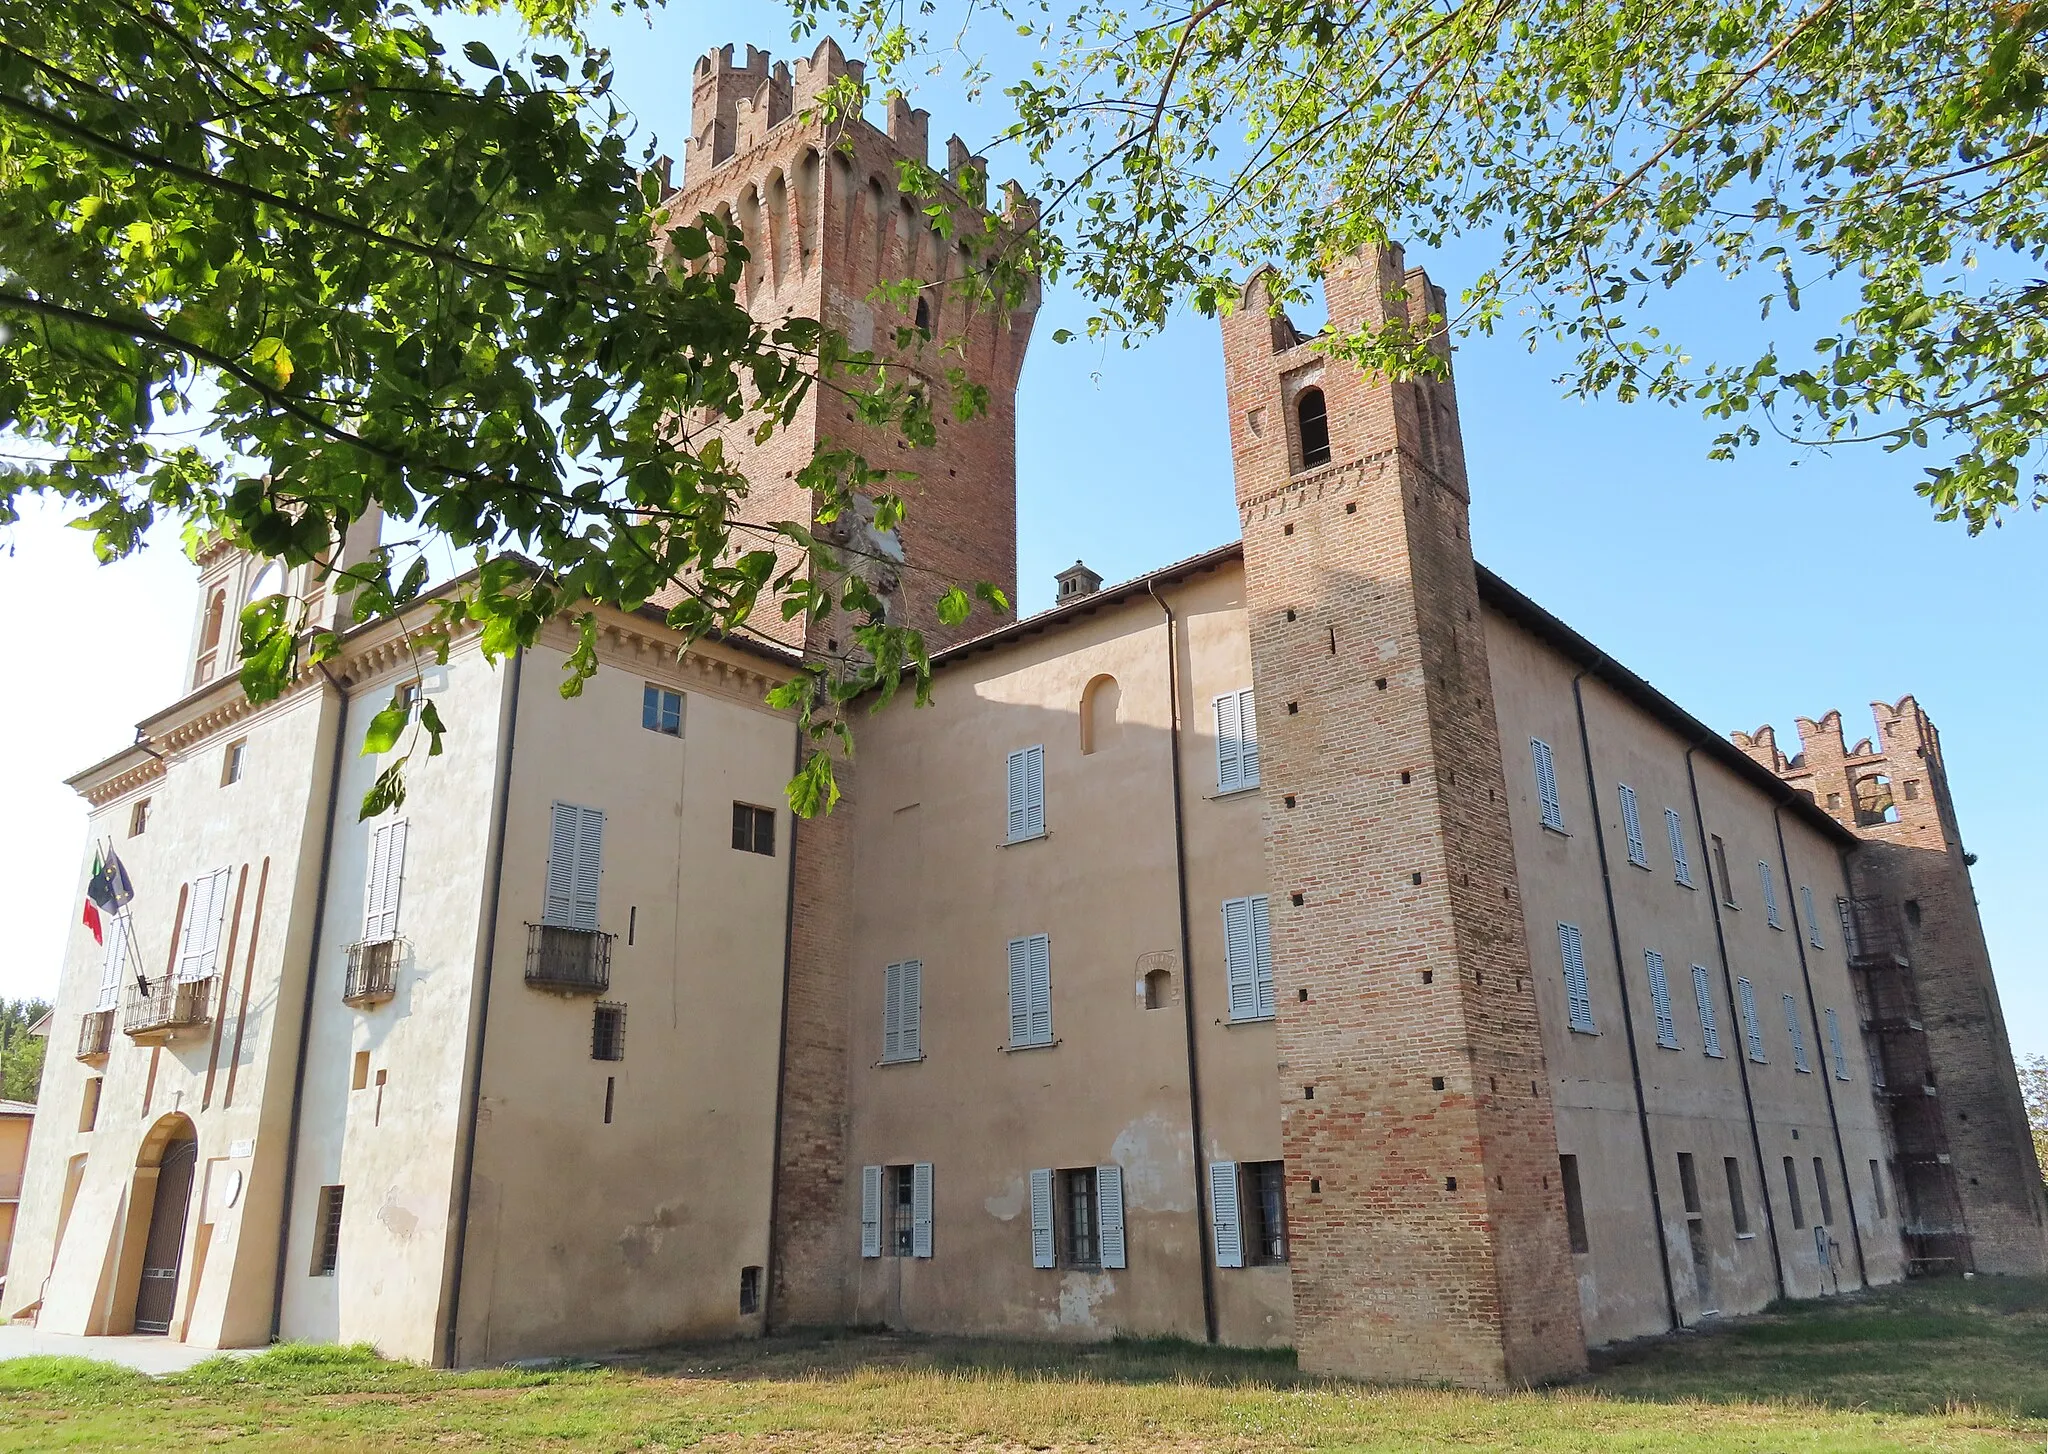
1777	586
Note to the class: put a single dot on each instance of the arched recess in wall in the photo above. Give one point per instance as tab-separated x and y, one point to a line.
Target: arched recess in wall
778	225
209	636
806	228
1312	425
877	231
1101	713
751	235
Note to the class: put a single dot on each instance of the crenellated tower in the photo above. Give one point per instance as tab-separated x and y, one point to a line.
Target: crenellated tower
1424	1207
825	223
1964	1161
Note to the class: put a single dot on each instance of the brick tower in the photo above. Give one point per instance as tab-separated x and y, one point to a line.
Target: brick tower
1425	1213
1964	1162
824	223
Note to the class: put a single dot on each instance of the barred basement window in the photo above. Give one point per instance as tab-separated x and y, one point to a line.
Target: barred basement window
327	1233
753	829
1265	1213
750	1290
902	1211
608	1032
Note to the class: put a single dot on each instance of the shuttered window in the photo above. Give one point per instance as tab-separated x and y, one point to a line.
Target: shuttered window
921	1209
1812	919
1799	1062
199	942
1248	953
1572	951
1030	991
575	862
1109	1215
1660	998
1710	1023
902	1009
1224	1214
1681	866
1237	742
1835	1050
871	1211
1632	824
387	876
1027	793
1546	784
1041	1218
115	960
1752	1028
1763	873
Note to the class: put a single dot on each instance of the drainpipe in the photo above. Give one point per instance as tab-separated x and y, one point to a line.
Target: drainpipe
291	1140
1203	1211
1820	1046
1735	1022
781	1052
1628	1023
472	1093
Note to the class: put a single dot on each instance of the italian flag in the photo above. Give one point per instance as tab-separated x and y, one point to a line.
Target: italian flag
106	892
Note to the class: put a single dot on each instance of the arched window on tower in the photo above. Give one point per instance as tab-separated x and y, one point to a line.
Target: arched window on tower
209	637
1312	418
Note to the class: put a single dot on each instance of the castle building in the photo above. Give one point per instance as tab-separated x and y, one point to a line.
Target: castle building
1312	943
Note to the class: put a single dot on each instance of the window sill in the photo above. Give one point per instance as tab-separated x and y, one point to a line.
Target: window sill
1685	885
1584	1030
1745	1236
1643	864
1779	927
1247	1020
897	1060
1553	828
1027	838
1222	793
1665	1045
1034	1045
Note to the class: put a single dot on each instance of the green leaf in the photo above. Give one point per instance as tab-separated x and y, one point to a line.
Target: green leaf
385	794
272	359
814	790
954	607
382	734
479	54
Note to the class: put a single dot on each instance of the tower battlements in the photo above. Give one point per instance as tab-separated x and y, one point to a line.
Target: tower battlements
1893	774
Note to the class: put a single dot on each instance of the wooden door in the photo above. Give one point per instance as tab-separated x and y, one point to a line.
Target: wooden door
157	1295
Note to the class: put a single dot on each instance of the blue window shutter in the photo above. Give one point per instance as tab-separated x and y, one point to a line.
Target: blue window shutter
1812	919
1109	1214
1710	1027
1229	745
1041	989
1681	867
1041	1218
1546	784
1224	1215
910	1009
1660	999
1632	824
921	1209
1752	1028
1020	991
1835	1050
589	866
1799	1061
1240	959
871	1211
560	908
1019	792
1262	956
1577	994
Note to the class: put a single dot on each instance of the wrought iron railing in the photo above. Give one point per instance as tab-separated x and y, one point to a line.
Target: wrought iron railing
575	960
166	1004
372	971
1870	925
95	1034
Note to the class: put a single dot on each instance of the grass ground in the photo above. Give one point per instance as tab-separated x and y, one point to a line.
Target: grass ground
1944	1366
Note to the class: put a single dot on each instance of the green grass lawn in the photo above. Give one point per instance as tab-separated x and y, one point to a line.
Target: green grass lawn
1948	1365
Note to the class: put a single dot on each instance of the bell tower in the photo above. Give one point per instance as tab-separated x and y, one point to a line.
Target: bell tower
825	223
1424	1204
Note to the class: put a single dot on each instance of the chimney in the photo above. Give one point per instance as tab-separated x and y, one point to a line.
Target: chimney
1075	582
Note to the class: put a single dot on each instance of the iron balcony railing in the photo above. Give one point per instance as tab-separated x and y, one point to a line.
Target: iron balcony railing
95	1034
372	971
578	961
1871	928
165	1005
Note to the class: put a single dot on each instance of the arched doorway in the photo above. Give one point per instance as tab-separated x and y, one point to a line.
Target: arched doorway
156	1293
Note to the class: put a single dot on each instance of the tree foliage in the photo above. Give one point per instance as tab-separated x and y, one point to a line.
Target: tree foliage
21	1054
2034	1093
1887	153
265	264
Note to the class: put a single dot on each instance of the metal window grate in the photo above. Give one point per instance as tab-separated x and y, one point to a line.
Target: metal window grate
165	1004
372	972
1263	1200
327	1251
1083	1240
608	1032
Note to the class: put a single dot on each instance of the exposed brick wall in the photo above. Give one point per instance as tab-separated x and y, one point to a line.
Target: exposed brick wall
1915	866
1427	1224
825	224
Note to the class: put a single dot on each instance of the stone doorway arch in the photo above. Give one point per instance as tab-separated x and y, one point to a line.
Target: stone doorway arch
164	1170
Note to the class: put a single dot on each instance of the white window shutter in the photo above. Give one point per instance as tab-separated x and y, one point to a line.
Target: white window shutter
921	1209
871	1211
1109	1214
1632	824
1262	956
199	942
1812	919
1229	745
1710	1027
892	1012
589	866
910	1009
1577	994
1248	740
560	908
1546	784
1224	1215
1763	873
1240	959
1799	1061
114	962
1020	991
1660	999
1680	866
387	877
1041	1218
1835	1050
1034	787
1041	989
1752	1028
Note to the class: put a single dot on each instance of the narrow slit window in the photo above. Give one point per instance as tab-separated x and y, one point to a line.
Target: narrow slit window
327	1233
1877	1191
1721	870
1820	1189
1738	1205
1792	1194
1574	1203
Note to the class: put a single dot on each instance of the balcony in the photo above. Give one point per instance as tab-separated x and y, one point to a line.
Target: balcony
166	1007
573	961
372	972
95	1034
1874	936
